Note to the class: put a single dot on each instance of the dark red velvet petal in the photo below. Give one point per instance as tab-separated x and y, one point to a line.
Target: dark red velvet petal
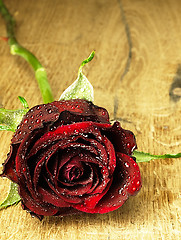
66	132
94	177
126	182
39	115
49	196
91	201
123	140
69	199
35	118
111	155
9	169
83	107
34	206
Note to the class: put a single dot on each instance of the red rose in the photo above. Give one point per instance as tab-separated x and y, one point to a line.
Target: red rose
67	158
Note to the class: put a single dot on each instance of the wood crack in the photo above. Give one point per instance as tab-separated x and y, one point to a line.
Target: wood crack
128	35
175	88
129	57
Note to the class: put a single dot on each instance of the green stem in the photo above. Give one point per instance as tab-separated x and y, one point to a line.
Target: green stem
86	61
17	49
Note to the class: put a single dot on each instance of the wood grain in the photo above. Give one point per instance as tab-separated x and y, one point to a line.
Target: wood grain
138	57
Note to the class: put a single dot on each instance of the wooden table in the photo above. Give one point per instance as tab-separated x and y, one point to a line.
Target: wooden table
136	74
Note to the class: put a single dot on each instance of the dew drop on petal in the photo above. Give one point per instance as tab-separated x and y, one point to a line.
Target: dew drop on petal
26	120
138	183
128	145
126	164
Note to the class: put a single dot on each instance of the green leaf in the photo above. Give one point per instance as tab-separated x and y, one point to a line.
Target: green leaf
23	102
81	88
146	157
12	197
9	119
6	128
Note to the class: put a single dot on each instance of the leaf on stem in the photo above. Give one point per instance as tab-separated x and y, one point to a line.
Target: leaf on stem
12	197
23	102
9	119
146	157
81	88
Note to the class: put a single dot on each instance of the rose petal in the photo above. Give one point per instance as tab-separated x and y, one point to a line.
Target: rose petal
32	205
126	182
91	201
123	140
9	169
50	197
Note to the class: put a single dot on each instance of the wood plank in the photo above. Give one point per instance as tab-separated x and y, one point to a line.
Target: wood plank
137	63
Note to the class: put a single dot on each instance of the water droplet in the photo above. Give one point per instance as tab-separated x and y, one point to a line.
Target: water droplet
128	145
49	111
76	131
126	164
138	183
38	120
134	188
26	120
57	116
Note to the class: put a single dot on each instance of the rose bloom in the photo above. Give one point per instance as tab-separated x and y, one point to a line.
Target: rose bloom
67	158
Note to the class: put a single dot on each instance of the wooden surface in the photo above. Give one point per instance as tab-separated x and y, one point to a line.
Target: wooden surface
136	75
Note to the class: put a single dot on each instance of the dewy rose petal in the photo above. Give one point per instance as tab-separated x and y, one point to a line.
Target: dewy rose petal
67	158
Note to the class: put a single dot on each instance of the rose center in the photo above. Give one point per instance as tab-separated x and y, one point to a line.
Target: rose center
74	173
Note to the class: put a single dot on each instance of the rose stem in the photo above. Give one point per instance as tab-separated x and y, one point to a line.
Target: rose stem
86	61
17	49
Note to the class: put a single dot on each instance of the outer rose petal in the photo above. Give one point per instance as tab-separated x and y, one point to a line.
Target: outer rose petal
39	209
9	170
39	115
123	140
